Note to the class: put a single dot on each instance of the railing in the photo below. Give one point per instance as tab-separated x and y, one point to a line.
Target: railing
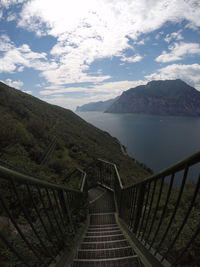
49	151
163	211
38	218
76	180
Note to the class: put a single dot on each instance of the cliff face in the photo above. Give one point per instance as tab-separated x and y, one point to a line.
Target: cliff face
96	106
170	97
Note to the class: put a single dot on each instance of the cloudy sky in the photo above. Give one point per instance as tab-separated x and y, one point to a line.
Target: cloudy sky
71	52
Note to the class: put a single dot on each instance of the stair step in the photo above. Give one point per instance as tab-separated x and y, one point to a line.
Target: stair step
102	219
104	229
100	226
105	253
105	245
103	233
104	238
131	261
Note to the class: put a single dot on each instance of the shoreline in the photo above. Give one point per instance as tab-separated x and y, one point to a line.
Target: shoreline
123	149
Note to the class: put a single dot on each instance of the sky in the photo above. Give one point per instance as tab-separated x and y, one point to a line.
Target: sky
71	52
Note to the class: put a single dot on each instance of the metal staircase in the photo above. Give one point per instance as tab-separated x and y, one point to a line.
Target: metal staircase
155	222
104	243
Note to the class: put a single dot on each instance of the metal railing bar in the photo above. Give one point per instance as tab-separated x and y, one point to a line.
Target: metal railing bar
83	182
133	206
116	171
19	230
66	203
131	201
49	150
185	218
187	246
151	202
58	208
39	216
53	211
29	219
9	174
46	213
176	207
156	209
111	174
143	216
164	209
14	251
191	160
140	201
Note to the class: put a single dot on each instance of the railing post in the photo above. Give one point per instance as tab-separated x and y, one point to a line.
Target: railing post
65	208
139	206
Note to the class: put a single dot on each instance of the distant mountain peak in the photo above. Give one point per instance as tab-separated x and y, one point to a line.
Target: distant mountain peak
97	106
159	97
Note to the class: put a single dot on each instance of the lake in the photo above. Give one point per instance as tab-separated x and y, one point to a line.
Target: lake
157	141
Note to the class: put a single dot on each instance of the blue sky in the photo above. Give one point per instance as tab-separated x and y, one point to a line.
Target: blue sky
71	52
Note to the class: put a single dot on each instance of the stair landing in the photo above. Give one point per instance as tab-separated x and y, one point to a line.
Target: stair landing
104	244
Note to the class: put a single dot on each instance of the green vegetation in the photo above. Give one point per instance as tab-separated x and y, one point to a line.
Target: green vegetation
29	125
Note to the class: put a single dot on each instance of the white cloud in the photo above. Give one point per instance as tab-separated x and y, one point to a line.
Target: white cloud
8	3
5	43
173	36
178	51
115	88
15	84
71	102
135	58
16	58
11	17
158	35
63	96
28	92
92	29
187	73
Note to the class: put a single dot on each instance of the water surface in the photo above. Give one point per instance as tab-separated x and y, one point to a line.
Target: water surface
157	141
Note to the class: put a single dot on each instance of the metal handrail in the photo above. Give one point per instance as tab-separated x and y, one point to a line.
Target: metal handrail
51	213
12	174
149	207
82	185
83	182
192	159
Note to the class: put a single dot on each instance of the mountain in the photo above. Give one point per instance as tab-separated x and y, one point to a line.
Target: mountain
169	97
29	126
97	106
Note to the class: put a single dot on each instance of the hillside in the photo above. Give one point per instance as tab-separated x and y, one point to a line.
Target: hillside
29	125
170	97
97	106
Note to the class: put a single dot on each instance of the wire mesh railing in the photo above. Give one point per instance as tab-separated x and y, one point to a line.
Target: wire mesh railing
38	218
163	211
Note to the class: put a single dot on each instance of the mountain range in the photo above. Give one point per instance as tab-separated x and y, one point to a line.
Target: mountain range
162	97
97	106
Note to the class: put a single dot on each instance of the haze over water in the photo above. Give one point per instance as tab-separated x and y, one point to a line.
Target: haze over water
157	141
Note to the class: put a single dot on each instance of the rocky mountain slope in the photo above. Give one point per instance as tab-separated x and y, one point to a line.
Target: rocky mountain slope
97	106
169	97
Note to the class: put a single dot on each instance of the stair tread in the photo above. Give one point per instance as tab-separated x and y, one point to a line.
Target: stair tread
104	245
103	233
105	254
128	262
103	238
